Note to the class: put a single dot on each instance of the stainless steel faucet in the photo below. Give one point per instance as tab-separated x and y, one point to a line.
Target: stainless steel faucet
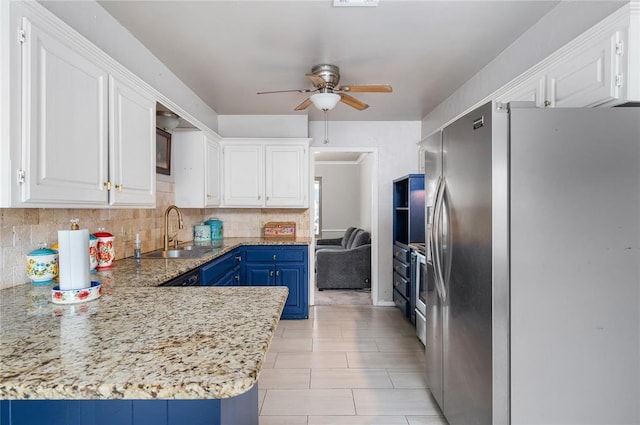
166	224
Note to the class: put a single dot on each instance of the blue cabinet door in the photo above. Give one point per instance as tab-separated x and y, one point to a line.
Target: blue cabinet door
259	274
293	277
282	265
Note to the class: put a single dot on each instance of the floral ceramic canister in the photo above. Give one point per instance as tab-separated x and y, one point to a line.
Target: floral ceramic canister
93	253
105	250
42	265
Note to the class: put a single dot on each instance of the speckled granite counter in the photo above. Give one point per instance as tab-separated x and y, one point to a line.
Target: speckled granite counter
154	271
137	343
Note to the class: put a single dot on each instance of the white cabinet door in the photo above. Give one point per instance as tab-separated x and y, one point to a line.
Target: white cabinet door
65	123
212	173
531	90
131	147
588	79
286	176
243	180
196	169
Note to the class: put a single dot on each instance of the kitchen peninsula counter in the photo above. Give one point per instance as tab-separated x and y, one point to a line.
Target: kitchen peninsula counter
137	343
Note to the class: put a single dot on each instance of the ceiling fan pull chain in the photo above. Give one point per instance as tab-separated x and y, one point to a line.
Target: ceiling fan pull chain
326	127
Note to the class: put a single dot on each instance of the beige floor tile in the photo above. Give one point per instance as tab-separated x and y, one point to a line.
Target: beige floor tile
371	333
283	420
326	344
407	343
261	395
356	420
295	324
269	360
315	332
408	379
372	360
393	402
350	378
289	345
308	402
308	360
427	420
284	378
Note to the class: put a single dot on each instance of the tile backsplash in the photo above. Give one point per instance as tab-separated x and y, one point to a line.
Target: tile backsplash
22	230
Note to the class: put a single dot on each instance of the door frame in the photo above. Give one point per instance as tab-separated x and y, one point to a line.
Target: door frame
374	216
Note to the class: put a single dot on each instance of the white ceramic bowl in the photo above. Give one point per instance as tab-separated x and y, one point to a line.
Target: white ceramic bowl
73	296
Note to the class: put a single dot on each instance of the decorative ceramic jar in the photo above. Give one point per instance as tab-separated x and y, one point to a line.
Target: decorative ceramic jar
201	233
93	253
42	265
216	228
105	253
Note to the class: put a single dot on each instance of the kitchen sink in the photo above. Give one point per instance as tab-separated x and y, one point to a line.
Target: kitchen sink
189	251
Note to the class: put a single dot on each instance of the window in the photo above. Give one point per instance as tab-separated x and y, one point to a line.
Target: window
317	206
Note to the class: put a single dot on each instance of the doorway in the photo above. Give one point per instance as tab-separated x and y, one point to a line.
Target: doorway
358	204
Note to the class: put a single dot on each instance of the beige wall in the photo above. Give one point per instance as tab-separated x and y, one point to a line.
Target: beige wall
21	230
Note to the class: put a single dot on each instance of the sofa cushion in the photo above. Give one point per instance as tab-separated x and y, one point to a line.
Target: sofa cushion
361	238
347	236
353	237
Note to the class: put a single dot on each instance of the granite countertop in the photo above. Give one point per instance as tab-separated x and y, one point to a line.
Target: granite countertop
154	271
138	341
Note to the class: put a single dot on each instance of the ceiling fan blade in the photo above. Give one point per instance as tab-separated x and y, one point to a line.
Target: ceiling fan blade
317	81
303	105
287	91
367	88
353	102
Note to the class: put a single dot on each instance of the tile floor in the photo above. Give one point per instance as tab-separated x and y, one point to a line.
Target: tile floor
346	365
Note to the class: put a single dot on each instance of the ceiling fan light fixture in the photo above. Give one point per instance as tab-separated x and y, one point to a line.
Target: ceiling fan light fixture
167	120
325	101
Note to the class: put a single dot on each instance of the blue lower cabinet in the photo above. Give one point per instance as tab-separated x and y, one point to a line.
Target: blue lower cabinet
223	271
279	265
242	409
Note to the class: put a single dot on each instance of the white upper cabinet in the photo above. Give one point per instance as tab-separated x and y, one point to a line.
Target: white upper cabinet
64	140
599	68
196	169
82	128
266	173
286	175
243	171
590	78
131	147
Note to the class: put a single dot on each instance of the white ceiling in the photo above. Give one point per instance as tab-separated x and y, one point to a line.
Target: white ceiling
227	51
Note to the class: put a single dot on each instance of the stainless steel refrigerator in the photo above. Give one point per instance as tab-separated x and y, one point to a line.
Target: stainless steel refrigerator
533	222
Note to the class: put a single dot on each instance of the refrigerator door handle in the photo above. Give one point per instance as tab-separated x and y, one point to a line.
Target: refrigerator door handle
436	229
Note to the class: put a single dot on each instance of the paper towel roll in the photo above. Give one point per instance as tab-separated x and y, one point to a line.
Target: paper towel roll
73	258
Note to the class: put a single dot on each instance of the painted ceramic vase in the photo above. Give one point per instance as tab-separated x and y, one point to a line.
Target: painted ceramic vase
93	253
42	265
105	250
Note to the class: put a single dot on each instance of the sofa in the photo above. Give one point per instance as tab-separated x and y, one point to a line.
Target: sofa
344	263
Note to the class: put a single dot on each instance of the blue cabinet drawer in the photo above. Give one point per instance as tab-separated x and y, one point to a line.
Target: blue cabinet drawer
402	285
401	253
401	302
214	270
402	269
279	255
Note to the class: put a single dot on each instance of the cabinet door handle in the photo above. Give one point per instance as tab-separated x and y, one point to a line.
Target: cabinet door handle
208	196
259	197
267	198
238	259
107	185
119	187
277	272
236	277
274	257
271	273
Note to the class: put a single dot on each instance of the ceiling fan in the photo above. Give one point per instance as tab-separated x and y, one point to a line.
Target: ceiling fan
327	92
